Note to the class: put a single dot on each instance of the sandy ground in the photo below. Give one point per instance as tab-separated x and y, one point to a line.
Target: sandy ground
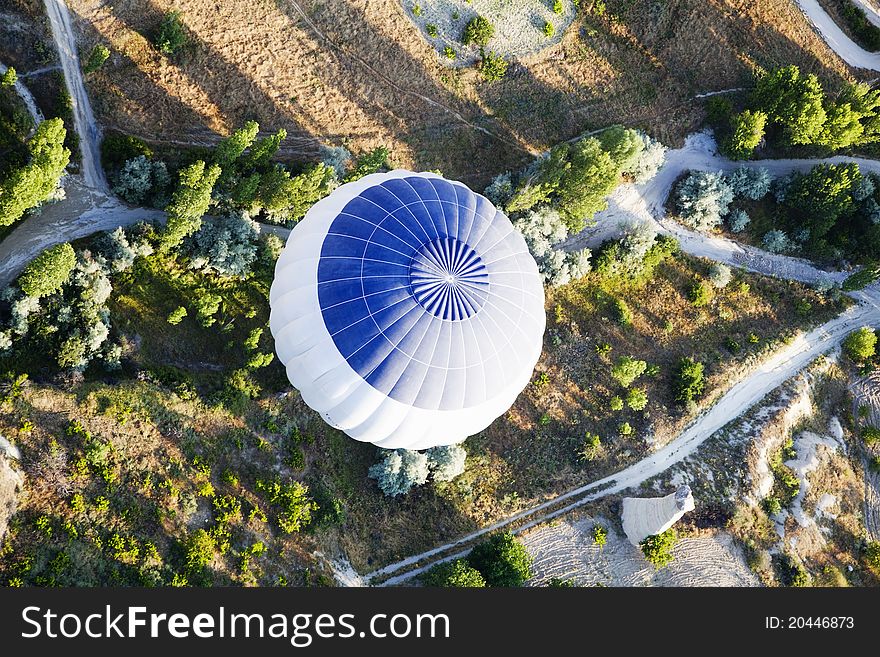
518	24
565	550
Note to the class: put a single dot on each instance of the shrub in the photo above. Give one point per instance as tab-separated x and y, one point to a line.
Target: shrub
658	548
750	182
400	470
368	163
140	178
615	403
207	305
431	29
548	29
860	345
455	573
478	31
558	7
622	313
872	555
492	65
48	271
502	560
702	199
121	249
100	54
171	36
591	447
772	505
176	316
293	505
625	429
652	157
776	241
446	462
9	78
637	399
600	535
738	220
871	436
227	246
626	370
542	230
689	380
449	52
720	275
747	131
199	550
500	189
700	294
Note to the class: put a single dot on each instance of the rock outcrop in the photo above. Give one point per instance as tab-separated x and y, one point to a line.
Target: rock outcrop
647	516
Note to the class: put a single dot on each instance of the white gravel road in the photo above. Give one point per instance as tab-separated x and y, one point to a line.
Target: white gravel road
848	50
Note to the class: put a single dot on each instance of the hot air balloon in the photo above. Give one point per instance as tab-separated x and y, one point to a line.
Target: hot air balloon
407	310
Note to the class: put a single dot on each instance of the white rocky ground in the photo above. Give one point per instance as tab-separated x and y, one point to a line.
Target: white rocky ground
519	25
565	550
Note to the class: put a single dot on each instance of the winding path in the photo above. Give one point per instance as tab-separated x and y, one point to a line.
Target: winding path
848	50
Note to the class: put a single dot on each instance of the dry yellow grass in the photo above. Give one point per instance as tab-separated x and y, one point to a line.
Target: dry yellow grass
359	73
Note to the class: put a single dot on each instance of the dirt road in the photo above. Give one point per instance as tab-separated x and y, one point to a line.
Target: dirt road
26	97
83	118
848	50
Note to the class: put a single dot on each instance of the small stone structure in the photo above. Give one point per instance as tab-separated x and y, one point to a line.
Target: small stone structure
647	516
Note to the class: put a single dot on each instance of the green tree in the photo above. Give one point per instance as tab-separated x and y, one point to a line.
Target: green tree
455	573
689	380
658	548
860	345
30	185
262	151
822	196
637	399
492	65
538	188
502	560
747	131
189	203
48	271
593	174
100	54
279	192
478	31
624	145
793	101
626	370
232	147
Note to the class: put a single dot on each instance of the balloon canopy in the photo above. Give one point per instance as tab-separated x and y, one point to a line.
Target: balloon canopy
407	310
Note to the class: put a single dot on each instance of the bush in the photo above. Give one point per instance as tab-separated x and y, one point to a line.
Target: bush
747	132
702	199
738	220
860	345
9	78
100	54
591	447
176	316
48	271
292	502
171	36
871	436
548	29
492	65
446	462
649	162
622	312
542	230
500	189
455	573
626	370
658	548
751	183
121	249
637	399
792	101
700	294
400	470
227	246
872	555
615	403
139	178
117	149
776	241
502	560
689	380
720	275
478	31
600	535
